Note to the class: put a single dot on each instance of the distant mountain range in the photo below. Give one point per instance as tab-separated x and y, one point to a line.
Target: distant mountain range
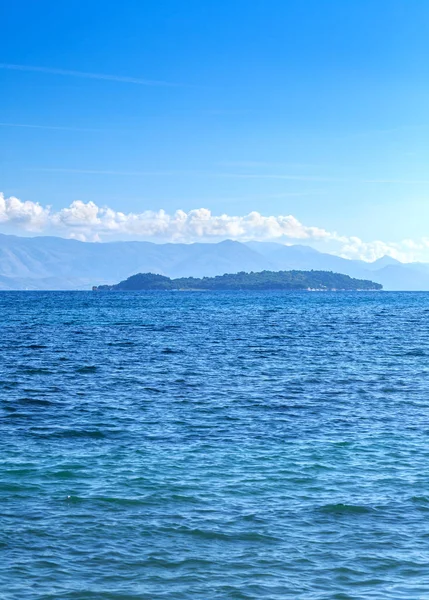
52	263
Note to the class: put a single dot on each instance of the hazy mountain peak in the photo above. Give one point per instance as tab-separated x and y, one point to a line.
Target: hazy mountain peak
381	263
229	243
386	260
301	248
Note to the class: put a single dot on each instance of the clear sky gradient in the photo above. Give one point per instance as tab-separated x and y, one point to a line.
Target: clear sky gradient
311	108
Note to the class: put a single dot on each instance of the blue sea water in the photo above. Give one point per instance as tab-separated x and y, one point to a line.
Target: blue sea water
214	446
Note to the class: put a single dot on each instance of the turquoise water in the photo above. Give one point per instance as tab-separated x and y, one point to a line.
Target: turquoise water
214	446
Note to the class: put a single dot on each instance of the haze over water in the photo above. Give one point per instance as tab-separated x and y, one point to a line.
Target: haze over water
214	445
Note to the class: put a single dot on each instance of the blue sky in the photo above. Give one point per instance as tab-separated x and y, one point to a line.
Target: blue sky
311	108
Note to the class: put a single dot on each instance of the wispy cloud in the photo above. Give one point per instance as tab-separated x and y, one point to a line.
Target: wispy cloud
267	165
54	127
278	176
322	179
252	197
190	173
377	132
398	181
85	75
111	172
88	221
228	111
214	174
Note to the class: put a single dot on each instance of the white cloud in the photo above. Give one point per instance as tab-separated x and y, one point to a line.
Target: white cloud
86	221
28	215
200	224
355	248
78	214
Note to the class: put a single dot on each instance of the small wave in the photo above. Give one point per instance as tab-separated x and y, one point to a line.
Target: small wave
35	401
87	369
39	371
17	488
73	433
352	509
420	499
245	536
180	563
64	474
415	352
421	503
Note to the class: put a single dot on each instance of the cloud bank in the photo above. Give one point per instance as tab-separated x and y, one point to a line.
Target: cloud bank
90	222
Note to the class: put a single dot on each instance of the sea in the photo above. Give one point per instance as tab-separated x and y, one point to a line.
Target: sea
226	445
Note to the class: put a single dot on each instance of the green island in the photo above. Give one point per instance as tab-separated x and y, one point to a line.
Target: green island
265	280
